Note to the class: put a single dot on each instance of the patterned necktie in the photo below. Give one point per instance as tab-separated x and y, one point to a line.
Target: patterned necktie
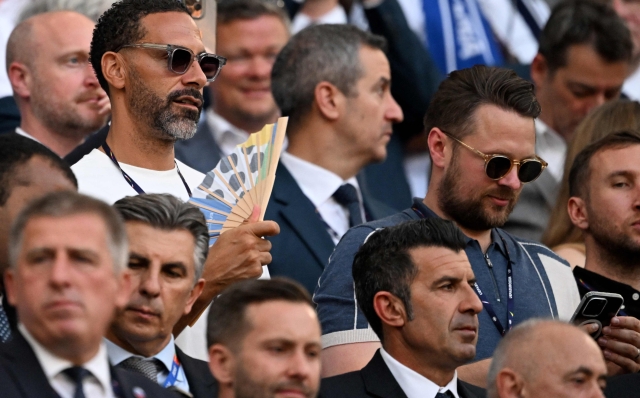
446	394
347	196
5	329
146	367
77	374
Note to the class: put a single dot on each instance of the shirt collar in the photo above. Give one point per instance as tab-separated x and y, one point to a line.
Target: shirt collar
118	354
318	184
53	365
222	129
413	383
25	134
496	240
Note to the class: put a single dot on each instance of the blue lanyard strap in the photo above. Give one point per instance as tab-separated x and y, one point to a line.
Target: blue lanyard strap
130	180
173	375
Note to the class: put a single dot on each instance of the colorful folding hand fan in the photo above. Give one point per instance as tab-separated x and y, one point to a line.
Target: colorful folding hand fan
241	180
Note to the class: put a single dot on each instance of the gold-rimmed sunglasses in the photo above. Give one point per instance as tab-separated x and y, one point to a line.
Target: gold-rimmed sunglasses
497	166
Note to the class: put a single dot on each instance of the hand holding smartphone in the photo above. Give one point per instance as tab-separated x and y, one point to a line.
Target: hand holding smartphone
597	308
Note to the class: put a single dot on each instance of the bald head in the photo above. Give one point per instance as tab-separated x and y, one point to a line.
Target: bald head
547	358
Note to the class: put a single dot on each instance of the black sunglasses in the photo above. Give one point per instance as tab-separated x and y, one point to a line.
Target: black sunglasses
180	59
498	166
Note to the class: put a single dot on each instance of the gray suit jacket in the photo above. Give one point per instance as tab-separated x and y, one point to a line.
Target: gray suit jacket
200	152
531	215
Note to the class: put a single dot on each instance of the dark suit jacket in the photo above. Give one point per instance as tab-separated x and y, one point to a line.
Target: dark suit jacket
201	381
21	376
9	115
201	152
623	386
376	380
303	247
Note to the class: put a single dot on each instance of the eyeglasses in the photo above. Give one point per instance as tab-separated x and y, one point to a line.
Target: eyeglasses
498	166
180	59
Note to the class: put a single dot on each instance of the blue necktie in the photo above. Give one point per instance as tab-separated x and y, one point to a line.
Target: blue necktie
446	394
5	329
77	374
347	196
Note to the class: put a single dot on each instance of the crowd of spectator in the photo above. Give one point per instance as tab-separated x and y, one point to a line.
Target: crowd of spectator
458	180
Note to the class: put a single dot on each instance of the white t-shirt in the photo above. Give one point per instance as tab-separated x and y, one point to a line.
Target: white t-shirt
99	177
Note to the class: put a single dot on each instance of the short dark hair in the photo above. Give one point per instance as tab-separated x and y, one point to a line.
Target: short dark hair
584	22
15	151
120	25
319	53
69	203
383	262
166	212
581	167
232	10
454	104
227	323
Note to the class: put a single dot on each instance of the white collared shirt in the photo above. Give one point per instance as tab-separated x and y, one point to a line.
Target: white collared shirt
225	134
414	384
319	184
551	147
118	354
336	15
25	134
97	385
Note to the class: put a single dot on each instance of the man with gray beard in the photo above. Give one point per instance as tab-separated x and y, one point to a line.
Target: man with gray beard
54	85
149	57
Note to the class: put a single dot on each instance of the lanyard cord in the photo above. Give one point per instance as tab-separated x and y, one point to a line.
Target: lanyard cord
130	180
485	302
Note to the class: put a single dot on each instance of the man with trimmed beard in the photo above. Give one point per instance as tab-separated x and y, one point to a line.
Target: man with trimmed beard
481	137
264	341
150	59
54	85
604	184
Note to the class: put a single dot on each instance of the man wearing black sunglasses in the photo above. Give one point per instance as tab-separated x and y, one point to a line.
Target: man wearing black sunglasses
482	144
149	57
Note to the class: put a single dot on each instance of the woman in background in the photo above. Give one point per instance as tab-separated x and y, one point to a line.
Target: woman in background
561	235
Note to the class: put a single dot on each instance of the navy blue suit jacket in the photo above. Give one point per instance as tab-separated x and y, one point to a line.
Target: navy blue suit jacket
303	247
200	152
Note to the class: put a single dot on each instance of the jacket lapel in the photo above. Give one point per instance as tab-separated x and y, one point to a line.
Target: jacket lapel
24	368
200	383
298	211
378	379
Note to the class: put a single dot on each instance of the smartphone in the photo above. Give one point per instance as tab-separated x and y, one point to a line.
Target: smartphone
204	13
598	308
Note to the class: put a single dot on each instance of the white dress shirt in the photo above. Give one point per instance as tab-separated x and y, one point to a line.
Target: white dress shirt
414	384
551	147
23	133
337	15
225	134
97	385
319	185
118	354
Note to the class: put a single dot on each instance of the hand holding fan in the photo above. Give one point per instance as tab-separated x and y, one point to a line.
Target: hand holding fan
241	180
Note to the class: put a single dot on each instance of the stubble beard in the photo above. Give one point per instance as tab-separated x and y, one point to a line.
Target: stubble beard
470	212
244	386
164	122
615	247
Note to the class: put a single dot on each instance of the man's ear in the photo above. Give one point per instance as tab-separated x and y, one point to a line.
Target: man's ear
329	100
124	286
577	209
9	275
113	69
390	309
222	364
439	147
509	384
21	79
539	70
193	296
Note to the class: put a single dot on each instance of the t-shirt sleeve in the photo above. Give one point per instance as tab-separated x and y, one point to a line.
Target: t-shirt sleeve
341	319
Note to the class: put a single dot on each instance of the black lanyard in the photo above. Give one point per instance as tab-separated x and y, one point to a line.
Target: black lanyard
129	180
485	302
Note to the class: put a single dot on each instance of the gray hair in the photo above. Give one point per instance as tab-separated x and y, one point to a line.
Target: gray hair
90	8
319	53
167	212
69	203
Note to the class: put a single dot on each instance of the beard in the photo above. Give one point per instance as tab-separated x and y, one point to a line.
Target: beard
615	245
471	211
244	386
62	117
165	122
